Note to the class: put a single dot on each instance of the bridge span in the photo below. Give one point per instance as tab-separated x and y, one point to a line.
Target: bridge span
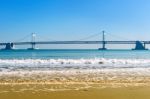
139	45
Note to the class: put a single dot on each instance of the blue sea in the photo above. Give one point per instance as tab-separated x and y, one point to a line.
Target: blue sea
73	58
74	54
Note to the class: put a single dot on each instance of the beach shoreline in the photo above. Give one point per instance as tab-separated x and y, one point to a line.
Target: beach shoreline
128	92
61	78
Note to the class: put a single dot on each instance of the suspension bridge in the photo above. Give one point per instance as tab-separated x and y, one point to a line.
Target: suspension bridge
139	45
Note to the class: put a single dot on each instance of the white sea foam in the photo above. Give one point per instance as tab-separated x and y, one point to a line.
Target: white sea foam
75	66
41	71
75	63
65	72
103	76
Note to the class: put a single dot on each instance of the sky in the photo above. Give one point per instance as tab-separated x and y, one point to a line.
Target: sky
74	19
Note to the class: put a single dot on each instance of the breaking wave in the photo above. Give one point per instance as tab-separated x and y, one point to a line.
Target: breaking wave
25	64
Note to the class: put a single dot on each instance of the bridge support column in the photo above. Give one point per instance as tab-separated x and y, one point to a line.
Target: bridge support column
139	46
32	46
103	48
33	35
9	46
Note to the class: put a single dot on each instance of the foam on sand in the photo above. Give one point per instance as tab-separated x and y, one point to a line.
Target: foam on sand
70	72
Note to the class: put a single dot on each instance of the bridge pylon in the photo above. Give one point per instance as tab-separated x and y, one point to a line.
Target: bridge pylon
33	36
9	46
103	42
139	46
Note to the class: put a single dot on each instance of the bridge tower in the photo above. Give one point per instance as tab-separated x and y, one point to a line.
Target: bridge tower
33	36
140	46
103	41
9	46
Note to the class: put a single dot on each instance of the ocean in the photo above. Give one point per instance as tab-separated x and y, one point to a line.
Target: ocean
74	58
74	54
75	66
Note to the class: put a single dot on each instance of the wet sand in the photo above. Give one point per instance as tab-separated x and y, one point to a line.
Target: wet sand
50	91
103	84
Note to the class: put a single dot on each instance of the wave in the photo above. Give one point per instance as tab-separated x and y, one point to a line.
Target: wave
75	71
48	64
83	62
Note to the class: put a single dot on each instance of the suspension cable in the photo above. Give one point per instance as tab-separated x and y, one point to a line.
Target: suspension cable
22	39
88	37
117	36
43	37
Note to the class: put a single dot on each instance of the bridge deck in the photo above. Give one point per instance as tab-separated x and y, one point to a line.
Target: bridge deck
76	42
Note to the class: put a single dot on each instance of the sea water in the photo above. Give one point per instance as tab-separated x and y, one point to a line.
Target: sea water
12	60
75	55
38	66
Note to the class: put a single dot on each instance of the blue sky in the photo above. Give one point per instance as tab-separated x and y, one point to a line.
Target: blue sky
74	19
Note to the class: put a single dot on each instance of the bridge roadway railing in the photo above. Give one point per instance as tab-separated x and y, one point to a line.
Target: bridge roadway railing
77	42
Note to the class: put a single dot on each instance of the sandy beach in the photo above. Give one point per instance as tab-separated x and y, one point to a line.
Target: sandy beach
17	92
76	84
